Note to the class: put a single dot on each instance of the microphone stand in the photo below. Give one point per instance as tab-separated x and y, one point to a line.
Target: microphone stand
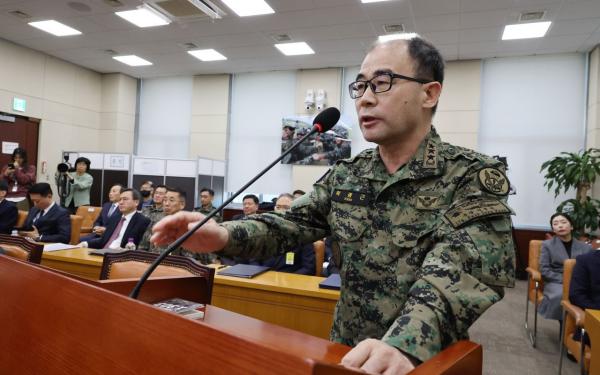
136	290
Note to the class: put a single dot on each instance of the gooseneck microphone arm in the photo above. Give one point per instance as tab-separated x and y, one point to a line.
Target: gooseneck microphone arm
323	122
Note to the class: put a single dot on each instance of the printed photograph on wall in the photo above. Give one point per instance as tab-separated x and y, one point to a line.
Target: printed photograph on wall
319	149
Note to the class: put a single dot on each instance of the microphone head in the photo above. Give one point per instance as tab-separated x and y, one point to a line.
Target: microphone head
326	119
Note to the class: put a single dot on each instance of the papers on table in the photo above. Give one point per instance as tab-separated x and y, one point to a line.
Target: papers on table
58	246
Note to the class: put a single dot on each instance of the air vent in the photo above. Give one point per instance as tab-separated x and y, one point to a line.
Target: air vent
113	3
393	28
189	9
18	13
281	37
531	16
187	46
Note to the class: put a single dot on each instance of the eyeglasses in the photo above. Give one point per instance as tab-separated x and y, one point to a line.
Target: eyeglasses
380	83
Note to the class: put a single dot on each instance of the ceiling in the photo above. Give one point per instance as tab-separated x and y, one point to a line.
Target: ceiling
339	31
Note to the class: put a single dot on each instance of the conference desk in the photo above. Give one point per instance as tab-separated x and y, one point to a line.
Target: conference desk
289	300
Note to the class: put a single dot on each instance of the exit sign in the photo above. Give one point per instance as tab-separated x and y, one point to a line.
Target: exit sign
19	104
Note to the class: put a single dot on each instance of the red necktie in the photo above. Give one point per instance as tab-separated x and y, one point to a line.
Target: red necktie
115	233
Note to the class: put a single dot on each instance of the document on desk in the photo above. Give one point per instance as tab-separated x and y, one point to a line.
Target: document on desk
58	246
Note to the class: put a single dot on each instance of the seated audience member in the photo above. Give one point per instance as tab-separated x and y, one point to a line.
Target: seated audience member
250	207
20	177
554	252
8	210
109	209
156	208
46	220
584	290
80	185
298	193
120	228
174	201
206	203
146	190
300	259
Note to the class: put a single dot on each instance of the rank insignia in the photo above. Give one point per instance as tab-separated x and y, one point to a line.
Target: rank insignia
428	201
359	198
493	181
430	157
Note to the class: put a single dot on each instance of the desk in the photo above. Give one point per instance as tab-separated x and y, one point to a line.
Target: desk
592	325
289	300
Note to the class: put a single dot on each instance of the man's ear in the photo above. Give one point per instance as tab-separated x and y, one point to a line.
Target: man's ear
432	92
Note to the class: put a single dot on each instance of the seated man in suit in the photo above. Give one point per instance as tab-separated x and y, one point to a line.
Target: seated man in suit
250	207
46	220
8	210
584	290
120	228
109	209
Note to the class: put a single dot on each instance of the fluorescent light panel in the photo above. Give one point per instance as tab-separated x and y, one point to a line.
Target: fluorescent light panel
55	28
207	55
132	60
293	49
245	8
387	37
144	16
525	30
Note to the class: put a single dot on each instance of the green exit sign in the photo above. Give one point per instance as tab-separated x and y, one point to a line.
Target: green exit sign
19	104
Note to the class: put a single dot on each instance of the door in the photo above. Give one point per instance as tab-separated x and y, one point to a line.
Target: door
24	132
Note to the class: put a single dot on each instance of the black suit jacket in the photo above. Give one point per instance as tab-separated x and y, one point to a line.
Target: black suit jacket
102	220
135	229
8	216
55	226
584	290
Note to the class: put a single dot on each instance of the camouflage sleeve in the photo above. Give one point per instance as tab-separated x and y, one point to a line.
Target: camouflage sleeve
268	234
461	276
145	241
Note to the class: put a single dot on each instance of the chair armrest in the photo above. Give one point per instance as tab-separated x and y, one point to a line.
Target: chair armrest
576	312
535	274
463	357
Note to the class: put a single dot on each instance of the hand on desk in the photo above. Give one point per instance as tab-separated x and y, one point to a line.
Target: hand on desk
99	231
376	357
211	237
32	233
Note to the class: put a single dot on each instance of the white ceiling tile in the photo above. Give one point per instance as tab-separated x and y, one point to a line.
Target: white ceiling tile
442	37
387	10
437	23
583	26
481	34
483	5
434	7
564	41
580	9
473	20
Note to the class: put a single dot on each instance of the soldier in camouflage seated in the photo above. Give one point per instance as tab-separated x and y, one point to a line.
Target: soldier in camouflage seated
421	227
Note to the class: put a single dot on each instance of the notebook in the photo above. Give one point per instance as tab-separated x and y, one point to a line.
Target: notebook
332	282
243	270
103	252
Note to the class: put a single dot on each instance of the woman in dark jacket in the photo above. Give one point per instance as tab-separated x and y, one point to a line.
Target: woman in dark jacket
19	176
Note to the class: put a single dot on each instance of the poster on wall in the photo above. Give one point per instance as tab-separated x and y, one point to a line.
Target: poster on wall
319	149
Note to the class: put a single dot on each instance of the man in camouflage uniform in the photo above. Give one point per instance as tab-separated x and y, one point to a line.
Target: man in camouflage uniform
173	202
206	198
154	212
421	228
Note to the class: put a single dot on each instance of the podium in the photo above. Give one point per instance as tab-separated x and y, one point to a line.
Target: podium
55	324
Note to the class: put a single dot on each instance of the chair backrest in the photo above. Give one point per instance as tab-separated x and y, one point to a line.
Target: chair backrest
22	248
535	251
22	216
76	221
89	215
133	263
567	272
319	247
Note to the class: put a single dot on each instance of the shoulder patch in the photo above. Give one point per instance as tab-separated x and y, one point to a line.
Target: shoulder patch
493	181
475	209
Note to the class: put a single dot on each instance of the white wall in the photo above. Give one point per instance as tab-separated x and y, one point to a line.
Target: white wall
532	109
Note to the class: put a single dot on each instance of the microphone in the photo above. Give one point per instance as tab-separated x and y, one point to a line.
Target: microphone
323	122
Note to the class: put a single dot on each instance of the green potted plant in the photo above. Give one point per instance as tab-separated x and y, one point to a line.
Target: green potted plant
577	171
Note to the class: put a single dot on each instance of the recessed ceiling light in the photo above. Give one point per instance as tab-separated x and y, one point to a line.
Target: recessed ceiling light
387	37
525	30
144	16
293	49
132	60
55	27
207	55
245	8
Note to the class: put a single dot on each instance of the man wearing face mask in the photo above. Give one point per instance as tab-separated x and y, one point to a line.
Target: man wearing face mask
146	190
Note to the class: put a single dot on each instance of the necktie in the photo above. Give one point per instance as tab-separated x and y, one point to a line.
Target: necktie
39	214
112	210
115	233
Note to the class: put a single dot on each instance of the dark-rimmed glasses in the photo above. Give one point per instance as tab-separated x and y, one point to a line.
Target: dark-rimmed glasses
380	83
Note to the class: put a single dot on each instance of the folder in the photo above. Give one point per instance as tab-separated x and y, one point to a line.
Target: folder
247	271
332	282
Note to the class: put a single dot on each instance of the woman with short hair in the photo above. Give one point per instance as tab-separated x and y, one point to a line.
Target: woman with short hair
20	176
80	185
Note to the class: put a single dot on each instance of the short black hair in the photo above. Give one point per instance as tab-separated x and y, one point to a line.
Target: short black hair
3	185
287	195
21	152
298	191
84	160
182	194
41	188
134	193
251	196
149	182
209	191
563	215
121	187
161	186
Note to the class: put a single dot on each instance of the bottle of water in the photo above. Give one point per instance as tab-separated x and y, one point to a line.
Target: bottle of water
14	233
130	244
